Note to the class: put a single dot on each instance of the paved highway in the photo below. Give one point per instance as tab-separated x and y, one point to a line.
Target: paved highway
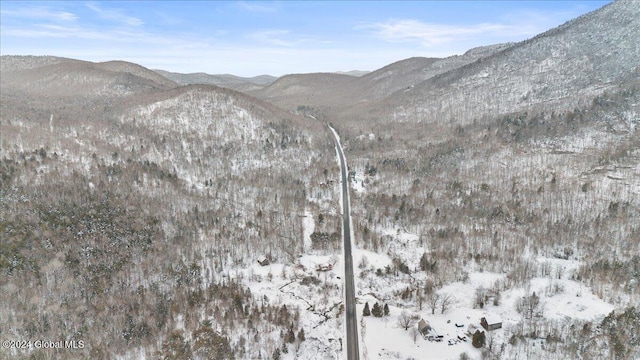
353	352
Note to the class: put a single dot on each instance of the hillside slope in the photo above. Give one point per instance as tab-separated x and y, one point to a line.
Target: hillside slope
228	81
133	202
559	68
522	167
333	94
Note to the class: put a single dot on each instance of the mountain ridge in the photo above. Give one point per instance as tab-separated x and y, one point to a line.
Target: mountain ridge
576	56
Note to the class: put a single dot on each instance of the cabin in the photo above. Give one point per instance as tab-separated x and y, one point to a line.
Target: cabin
491	322
262	260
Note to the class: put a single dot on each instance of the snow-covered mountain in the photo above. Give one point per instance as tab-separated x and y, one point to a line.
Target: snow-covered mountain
559	68
562	68
504	182
134	200
224	80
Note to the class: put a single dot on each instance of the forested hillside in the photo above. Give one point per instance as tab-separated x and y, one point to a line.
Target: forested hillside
121	226
465	174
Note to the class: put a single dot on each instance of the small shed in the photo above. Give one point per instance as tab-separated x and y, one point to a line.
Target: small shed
262	260
424	328
491	322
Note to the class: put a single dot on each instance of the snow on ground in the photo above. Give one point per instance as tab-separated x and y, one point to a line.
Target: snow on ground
308	224
317	294
358	183
562	299
386	339
370	137
572	300
371	259
322	317
464	292
319	304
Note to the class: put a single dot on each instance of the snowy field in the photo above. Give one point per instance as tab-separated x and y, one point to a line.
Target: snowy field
561	299
322	315
317	294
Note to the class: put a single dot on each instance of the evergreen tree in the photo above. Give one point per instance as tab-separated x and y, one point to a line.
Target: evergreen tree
366	311
291	336
301	337
208	344
175	347
624	343
426	264
376	310
478	339
386	310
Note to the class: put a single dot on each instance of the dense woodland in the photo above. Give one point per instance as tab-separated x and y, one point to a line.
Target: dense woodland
496	197
124	229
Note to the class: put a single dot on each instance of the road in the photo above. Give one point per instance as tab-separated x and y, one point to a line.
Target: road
353	352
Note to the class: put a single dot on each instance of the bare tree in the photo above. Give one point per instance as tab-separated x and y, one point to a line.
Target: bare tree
433	302
420	297
529	306
414	334
446	302
405	320
480	297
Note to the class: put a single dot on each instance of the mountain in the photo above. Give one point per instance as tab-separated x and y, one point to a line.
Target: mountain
560	68
229	81
353	72
503	181
335	93
40	76
481	178
294	90
70	88
406	73
120	189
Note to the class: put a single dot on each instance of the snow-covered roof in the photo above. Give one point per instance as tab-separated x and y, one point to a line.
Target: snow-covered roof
493	319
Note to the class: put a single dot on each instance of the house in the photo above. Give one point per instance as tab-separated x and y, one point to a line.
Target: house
262	260
491	322
324	267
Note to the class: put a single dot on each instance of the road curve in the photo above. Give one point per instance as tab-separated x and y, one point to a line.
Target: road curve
353	352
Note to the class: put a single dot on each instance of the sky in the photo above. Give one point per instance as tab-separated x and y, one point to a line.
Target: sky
250	38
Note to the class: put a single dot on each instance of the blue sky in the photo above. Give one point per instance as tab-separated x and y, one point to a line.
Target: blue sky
249	38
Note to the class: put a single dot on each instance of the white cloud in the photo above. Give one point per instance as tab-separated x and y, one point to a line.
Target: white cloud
430	34
44	31
276	51
115	15
40	13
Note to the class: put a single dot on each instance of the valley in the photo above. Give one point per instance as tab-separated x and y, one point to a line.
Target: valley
154	214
